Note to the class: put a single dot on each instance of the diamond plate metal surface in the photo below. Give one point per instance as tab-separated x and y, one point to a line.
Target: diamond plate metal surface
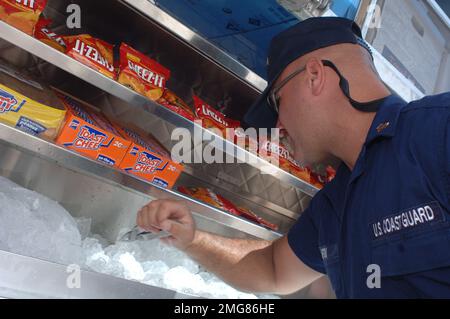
245	178
263	186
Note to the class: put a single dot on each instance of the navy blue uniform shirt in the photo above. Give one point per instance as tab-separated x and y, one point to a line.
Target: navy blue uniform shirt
390	216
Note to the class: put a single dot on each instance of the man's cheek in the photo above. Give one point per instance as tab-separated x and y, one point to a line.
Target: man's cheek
297	153
289	130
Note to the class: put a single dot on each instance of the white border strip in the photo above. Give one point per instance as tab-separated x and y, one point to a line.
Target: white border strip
438	10
394	79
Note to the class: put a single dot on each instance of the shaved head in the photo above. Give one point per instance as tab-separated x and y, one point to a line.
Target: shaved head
315	111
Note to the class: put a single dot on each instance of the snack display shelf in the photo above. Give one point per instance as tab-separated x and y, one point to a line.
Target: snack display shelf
116	89
209	50
62	157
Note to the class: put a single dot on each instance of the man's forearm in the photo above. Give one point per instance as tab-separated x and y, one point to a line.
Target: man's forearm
244	264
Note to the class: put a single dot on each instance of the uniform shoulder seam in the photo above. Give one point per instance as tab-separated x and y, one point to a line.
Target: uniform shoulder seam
424	107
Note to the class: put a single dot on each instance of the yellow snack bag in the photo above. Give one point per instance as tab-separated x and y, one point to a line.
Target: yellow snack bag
29	106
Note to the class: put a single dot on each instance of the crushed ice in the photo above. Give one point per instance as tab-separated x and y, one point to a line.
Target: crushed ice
36	226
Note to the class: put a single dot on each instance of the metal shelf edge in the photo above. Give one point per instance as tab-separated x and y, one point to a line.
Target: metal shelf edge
79	163
168	22
28	277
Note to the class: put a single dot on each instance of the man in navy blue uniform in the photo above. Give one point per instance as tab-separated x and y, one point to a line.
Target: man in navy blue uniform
381	228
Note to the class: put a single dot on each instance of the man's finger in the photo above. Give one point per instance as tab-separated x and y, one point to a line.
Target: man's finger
152	229
152	215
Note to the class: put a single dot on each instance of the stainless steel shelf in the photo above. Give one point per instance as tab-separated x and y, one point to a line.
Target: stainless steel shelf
168	22
23	277
114	88
66	158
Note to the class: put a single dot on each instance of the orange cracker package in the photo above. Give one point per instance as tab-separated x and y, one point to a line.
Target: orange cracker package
211	118
207	196
44	34
300	172
83	134
270	150
148	159
22	14
248	214
142	74
92	52
174	103
216	200
143	139
320	180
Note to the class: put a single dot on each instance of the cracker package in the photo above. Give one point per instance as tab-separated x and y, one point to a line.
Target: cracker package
43	33
148	159
270	150
321	179
92	52
142	74
29	105
88	132
144	139
206	195
22	14
211	118
174	103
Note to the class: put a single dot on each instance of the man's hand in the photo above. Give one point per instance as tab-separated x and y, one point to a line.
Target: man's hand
171	216
248	265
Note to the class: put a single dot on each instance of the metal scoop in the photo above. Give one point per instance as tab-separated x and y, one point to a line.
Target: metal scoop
138	234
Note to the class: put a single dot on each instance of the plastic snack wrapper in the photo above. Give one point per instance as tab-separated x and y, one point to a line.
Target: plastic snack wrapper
29	105
216	200
211	118
22	14
43	33
92	52
142	74
174	103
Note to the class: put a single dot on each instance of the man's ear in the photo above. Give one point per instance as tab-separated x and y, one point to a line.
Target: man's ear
316	76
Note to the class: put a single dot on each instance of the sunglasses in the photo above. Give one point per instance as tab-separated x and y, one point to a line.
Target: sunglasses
273	99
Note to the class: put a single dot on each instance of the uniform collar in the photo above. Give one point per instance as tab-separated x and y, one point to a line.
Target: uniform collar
385	122
383	126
